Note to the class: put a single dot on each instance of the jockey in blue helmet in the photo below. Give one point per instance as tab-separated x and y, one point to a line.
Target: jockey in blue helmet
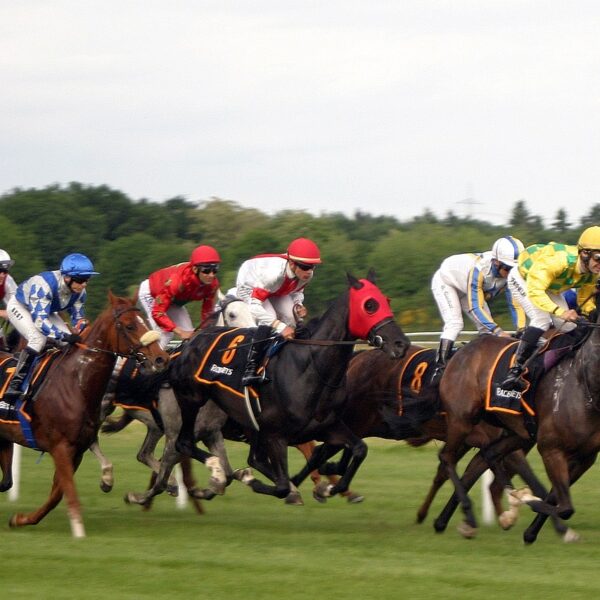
35	307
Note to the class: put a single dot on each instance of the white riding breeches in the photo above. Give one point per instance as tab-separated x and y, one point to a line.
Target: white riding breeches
178	314
537	317
21	319
452	306
281	308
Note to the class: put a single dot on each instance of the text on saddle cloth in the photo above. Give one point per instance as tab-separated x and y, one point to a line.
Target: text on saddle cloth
513	401
415	374
224	362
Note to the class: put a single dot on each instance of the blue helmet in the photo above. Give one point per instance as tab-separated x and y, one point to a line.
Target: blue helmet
77	265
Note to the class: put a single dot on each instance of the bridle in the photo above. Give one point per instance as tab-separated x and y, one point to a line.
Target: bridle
135	345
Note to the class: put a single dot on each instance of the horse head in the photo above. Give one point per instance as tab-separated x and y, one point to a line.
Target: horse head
236	313
370	317
128	335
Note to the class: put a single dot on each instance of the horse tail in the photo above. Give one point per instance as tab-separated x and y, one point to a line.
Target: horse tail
416	410
116	425
417	442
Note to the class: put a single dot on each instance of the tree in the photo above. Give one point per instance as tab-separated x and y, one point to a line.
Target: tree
560	223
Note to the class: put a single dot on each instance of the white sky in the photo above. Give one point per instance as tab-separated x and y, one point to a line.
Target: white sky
389	107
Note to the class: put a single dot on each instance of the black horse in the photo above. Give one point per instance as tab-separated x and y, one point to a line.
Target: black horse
301	401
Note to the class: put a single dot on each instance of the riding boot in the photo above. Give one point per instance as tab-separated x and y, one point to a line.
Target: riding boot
26	357
441	360
255	354
526	347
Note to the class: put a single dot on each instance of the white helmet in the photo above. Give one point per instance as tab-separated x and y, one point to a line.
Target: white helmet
507	249
5	260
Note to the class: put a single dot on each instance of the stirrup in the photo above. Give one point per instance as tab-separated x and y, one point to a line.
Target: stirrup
254	379
513	380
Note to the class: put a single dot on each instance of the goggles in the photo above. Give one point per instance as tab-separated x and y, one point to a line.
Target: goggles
80	278
207	269
593	254
3	270
304	266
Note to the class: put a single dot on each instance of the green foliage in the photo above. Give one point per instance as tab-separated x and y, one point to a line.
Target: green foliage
128	240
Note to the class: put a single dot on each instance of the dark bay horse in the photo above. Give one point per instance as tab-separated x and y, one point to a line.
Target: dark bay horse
65	417
567	405
302	399
376	399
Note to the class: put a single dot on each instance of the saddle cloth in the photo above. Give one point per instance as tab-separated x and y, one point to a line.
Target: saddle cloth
10	409
224	362
513	401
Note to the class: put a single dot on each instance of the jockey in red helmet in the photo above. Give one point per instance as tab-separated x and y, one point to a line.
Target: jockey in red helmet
273	285
166	291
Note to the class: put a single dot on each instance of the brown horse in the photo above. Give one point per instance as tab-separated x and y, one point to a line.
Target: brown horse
567	405
374	401
64	419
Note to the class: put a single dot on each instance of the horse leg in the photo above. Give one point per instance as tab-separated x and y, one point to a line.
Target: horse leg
107	478
439	479
190	483
268	456
6	456
65	463
576	470
186	445
449	456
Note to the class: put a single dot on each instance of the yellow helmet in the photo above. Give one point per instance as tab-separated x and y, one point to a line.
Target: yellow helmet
589	239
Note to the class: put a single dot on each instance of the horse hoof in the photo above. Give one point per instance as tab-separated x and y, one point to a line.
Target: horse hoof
105	487
199	494
507	519
571	536
354	498
294	499
244	475
172	490
466	530
13	521
132	498
319	498
439	526
323	491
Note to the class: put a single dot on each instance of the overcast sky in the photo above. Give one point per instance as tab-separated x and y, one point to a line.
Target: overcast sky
389	107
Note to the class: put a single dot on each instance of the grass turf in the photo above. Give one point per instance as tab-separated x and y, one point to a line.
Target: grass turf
251	546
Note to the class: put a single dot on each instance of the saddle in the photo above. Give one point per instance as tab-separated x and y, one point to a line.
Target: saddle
555	349
12	408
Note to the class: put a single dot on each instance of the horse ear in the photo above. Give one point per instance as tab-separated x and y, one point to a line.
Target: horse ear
355	283
111	297
135	296
371	275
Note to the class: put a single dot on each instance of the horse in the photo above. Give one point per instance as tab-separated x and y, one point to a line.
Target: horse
231	312
567	407
373	403
300	401
64	419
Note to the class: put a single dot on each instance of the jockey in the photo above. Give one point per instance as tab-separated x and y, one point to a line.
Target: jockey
164	294
35	307
273	286
466	283
543	273
8	287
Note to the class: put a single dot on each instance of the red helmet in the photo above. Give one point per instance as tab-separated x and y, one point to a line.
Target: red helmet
303	250
204	254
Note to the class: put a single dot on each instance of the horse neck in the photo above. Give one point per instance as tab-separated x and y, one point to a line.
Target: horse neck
333	325
589	365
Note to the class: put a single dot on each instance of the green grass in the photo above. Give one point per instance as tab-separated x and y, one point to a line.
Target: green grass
251	546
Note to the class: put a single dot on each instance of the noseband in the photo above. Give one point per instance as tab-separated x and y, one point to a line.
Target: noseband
374	338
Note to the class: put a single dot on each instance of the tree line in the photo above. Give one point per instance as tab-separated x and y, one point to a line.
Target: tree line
128	239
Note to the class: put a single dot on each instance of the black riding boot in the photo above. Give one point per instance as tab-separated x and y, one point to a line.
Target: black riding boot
254	355
441	360
24	361
526	347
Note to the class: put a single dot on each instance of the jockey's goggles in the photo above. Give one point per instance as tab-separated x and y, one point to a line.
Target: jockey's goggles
504	266
3	270
80	278
304	266
207	269
593	254
4	267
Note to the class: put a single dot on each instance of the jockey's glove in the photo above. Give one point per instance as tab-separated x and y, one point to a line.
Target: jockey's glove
71	338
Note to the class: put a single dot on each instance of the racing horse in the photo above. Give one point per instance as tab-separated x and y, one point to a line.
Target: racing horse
231	312
301	400
567	407
65	416
377	394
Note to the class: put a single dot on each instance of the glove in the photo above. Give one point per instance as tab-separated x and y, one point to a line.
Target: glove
71	338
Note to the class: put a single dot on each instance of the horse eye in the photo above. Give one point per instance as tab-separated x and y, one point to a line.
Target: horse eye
371	306
130	327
